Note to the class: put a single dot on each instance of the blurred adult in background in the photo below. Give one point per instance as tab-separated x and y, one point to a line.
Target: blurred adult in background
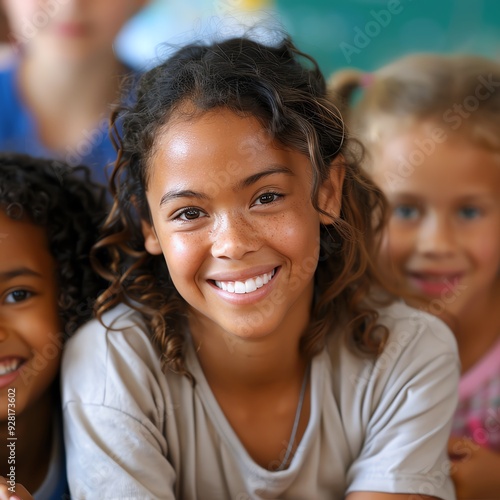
55	96
5	49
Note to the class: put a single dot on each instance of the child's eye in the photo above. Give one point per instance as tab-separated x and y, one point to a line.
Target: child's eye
469	212
190	213
406	212
265	198
17	296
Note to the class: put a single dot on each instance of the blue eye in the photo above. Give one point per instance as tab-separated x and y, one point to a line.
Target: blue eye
18	296
469	212
406	212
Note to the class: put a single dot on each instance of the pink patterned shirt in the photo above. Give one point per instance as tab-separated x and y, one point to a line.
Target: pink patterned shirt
478	412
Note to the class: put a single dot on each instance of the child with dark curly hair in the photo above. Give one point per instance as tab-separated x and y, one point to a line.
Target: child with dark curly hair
246	348
49	218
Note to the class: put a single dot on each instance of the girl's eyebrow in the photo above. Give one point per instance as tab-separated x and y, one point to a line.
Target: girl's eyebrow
252	179
182	193
273	169
21	271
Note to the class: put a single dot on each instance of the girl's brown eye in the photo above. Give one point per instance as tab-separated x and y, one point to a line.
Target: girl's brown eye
266	198
17	296
190	214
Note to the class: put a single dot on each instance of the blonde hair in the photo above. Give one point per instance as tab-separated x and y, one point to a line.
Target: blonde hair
458	93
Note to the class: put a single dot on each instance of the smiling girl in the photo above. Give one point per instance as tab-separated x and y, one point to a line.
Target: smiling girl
241	351
432	127
49	218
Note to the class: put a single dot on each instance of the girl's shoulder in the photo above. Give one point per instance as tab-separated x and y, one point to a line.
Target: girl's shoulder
120	317
416	344
407	325
120	322
97	358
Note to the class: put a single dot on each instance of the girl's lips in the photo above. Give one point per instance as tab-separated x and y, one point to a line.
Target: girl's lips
434	284
255	288
9	370
246	286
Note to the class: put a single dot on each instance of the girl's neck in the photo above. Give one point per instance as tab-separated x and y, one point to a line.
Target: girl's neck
34	432
241	365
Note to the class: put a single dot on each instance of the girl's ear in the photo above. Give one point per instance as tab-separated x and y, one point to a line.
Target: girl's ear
151	243
330	192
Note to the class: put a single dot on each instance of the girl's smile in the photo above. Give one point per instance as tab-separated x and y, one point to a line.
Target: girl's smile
434	284
29	319
247	291
241	248
9	369
245	285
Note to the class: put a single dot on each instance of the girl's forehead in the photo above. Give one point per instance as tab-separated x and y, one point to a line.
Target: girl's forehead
426	161
215	128
220	147
210	139
437	129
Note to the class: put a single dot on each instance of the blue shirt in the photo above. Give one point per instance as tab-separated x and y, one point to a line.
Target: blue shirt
55	484
19	132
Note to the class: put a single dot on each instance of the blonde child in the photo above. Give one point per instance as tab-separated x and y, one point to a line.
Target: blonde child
49	218
431	124
242	349
56	94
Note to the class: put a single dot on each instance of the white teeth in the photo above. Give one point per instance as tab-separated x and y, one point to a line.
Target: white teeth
9	366
249	286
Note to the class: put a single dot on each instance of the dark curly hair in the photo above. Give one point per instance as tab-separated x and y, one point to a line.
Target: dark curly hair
286	91
71	208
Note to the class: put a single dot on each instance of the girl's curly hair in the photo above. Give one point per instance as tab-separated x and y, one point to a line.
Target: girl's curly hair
71	208
286	91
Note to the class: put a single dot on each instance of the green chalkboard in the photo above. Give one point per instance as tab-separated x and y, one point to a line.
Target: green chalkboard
369	33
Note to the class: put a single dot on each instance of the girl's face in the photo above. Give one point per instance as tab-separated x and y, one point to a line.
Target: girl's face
443	238
233	218
30	344
68	30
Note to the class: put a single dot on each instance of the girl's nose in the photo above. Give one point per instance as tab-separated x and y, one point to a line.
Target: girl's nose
234	237
436	237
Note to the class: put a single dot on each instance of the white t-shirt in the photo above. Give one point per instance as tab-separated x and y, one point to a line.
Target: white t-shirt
133	432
